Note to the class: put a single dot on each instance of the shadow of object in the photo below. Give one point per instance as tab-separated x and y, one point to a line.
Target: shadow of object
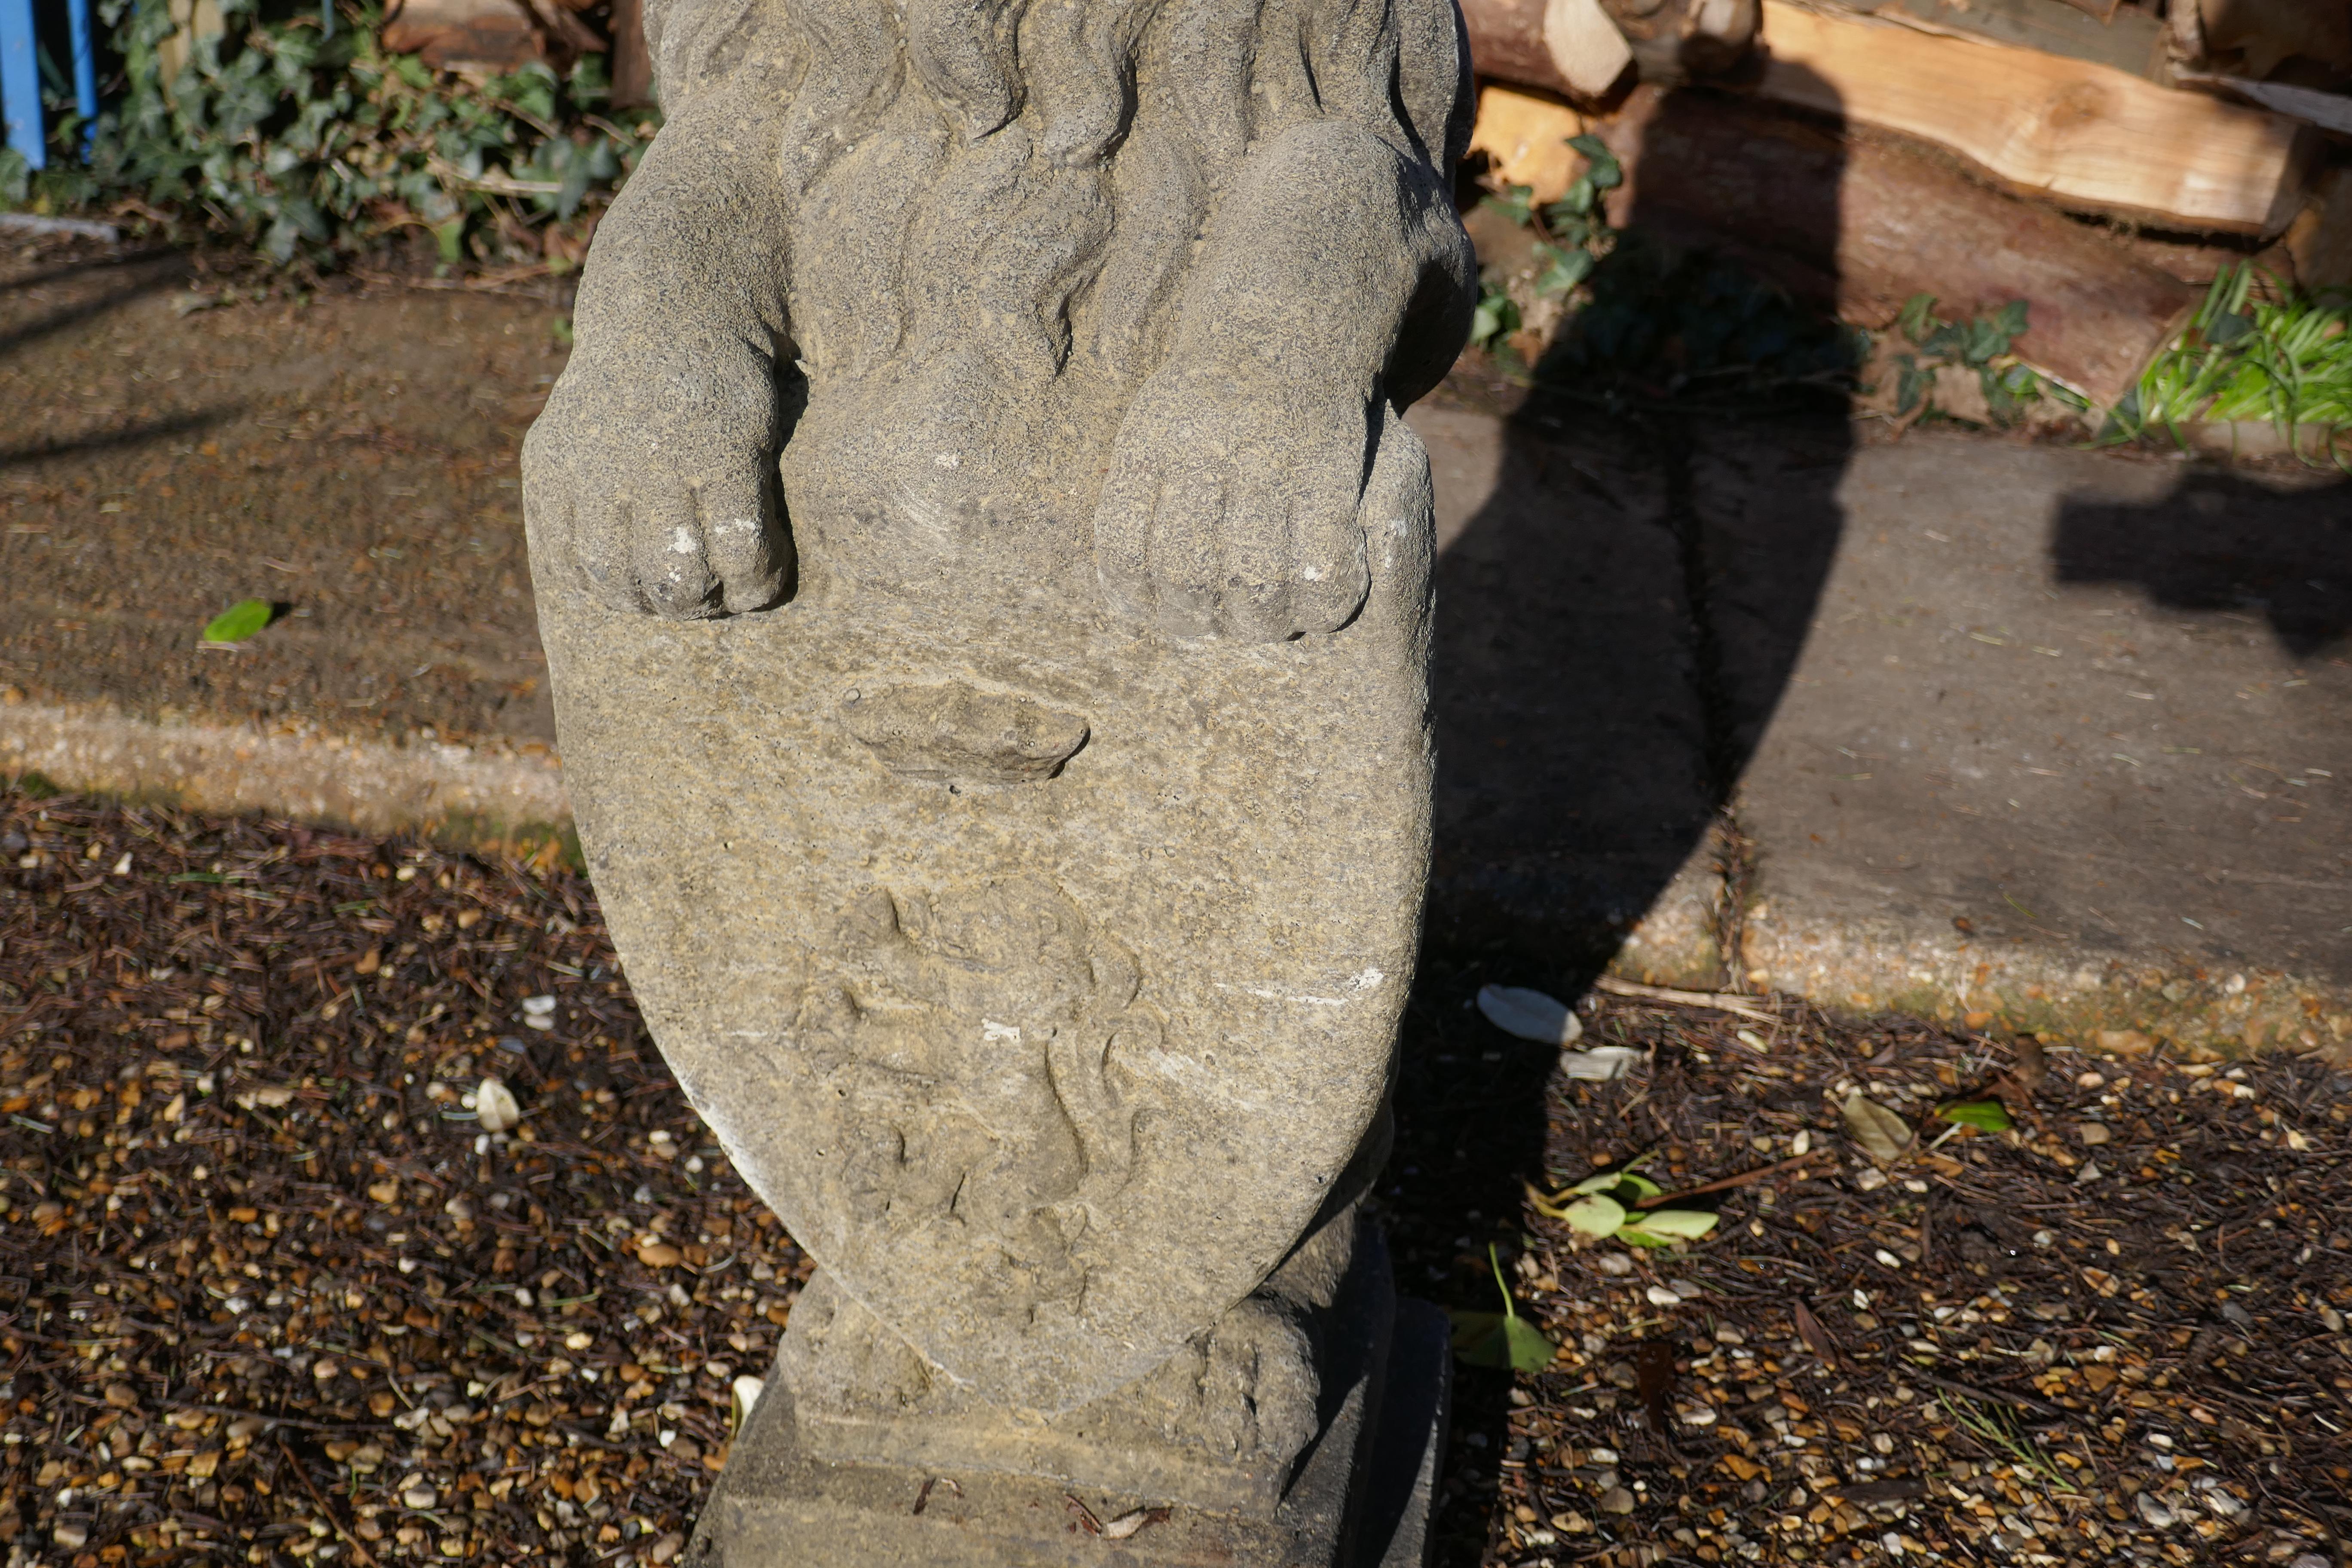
136	435
74	266
150	271
2223	542
1615	625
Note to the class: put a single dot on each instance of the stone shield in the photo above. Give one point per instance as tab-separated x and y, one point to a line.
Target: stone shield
1041	973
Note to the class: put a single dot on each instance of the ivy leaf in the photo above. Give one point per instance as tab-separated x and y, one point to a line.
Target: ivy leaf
1514	202
239	621
1918	318
1605	173
1562	269
1985	1115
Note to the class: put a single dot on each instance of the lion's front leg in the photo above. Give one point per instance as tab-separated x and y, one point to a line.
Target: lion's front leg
1336	276
650	478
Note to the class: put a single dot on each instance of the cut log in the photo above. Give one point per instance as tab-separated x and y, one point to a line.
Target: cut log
1585	46
2126	39
2320	240
1525	138
2085	136
1524	41
1861	222
490	35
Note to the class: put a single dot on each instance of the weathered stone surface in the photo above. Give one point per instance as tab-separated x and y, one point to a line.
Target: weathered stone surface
1360	1495
985	581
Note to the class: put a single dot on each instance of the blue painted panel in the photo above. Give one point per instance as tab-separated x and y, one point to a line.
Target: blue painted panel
20	81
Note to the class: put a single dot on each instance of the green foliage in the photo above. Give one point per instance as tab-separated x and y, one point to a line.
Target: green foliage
1500	1339
1498	317
1608	1206
239	621
1663	322
1984	1115
1981	345
313	148
2255	350
1652	320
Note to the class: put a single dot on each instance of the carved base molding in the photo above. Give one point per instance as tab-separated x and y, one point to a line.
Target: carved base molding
1358	1496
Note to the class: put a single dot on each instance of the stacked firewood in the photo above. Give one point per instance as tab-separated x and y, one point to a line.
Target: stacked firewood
2101	160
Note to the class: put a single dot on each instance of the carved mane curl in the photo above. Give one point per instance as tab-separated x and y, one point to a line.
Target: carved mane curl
1045	168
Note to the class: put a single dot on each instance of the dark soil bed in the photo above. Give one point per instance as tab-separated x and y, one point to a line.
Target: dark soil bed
271	1291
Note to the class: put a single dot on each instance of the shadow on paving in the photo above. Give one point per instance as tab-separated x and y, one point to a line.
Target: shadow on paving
1615	629
145	273
2223	542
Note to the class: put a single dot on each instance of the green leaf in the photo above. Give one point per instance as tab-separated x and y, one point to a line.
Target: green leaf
1500	1340
1514	202
1496	315
1594	1215
1686	1224
1633	1236
1918	318
239	621
1606	173
1643	1186
1985	1115
1562	269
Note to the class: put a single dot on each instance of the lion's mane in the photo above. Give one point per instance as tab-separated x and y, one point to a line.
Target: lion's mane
1040	172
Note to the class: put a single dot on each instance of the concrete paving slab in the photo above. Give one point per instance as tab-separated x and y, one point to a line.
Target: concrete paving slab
351	460
2068	748
1572	782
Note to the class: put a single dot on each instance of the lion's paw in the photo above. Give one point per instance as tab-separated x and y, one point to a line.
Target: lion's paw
655	482
1232	509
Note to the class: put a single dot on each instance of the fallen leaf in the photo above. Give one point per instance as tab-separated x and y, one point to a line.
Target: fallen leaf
1884	1135
1531	1014
1653	1370
1985	1115
1817	1338
1662	1227
238	622
1593	1214
1127	1523
1602	1064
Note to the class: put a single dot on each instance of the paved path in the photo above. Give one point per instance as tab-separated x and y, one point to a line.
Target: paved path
352	460
2050	738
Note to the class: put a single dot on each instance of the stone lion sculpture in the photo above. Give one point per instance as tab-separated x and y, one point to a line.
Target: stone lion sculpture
985	581
976	269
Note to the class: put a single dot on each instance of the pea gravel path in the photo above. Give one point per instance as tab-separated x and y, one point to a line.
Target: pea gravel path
269	1292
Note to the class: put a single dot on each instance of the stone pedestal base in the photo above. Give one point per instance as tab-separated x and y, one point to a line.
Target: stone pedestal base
1359	1498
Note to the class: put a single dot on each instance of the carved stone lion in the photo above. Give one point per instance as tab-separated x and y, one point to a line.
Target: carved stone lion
978	271
985	583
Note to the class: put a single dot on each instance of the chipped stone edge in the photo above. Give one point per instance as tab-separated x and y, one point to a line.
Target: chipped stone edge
476	796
